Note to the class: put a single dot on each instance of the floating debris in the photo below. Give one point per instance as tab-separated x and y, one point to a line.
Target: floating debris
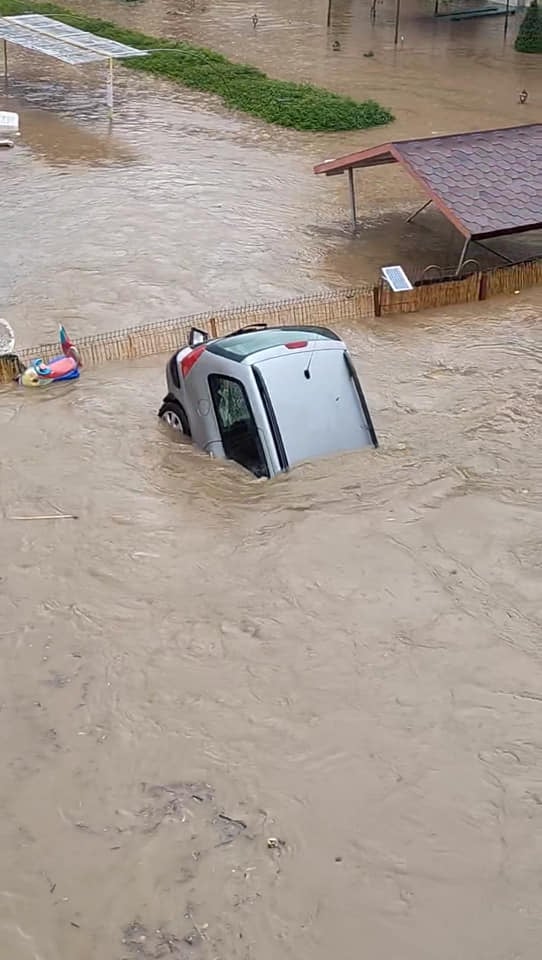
49	516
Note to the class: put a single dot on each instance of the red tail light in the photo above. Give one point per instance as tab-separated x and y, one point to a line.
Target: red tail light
188	362
295	344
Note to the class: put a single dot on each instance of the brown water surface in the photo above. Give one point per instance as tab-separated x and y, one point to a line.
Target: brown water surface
345	659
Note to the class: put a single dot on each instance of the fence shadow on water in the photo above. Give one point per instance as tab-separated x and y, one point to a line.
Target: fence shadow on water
321	309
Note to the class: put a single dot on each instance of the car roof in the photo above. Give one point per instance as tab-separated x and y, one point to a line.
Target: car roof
244	344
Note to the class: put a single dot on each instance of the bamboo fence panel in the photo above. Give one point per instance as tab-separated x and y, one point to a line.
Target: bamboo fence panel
321	309
10	368
514	277
431	295
168	335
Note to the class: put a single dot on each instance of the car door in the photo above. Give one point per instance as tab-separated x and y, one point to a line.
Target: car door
239	433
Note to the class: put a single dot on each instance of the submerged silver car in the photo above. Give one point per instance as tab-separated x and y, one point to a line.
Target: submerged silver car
268	397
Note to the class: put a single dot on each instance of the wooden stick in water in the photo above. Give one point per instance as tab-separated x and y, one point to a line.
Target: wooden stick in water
53	516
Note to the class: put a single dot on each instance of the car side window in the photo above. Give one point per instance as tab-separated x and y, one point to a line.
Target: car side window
238	430
232	405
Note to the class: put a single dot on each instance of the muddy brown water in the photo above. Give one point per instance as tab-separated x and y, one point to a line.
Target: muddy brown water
346	659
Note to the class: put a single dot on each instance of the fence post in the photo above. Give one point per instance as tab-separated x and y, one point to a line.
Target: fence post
482	289
377	300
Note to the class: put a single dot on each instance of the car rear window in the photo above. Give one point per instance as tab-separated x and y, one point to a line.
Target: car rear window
243	345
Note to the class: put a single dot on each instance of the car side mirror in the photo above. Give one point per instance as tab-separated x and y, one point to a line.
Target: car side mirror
197	336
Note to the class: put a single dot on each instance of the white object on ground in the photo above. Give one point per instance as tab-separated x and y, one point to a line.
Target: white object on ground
7	338
49	516
9	121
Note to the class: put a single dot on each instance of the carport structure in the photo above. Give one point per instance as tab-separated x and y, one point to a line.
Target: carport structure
487	183
56	39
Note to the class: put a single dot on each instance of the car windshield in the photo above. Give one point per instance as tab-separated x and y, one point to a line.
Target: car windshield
243	345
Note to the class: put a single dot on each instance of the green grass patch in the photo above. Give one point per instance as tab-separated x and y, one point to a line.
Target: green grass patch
297	105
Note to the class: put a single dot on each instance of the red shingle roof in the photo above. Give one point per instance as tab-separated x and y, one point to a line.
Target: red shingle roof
488	183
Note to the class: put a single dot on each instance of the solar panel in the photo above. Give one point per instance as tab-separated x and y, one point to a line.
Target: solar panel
13	33
397	279
56	39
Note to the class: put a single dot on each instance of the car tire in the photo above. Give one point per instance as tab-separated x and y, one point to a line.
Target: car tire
174	416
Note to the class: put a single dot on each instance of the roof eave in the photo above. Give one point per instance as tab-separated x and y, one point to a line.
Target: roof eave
487	235
352	160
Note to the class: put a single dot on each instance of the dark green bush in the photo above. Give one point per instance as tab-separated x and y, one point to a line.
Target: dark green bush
529	38
241	87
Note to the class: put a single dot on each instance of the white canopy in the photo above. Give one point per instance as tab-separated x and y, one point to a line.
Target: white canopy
56	39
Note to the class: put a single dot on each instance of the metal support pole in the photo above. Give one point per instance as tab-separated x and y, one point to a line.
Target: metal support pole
329	2
416	212
352	197
397	13
435	11
5	61
462	257
506	17
110	88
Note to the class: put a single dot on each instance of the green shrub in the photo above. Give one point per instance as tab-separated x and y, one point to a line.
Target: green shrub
529	38
240	86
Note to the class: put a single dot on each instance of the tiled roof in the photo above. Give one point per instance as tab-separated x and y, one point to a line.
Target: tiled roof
487	183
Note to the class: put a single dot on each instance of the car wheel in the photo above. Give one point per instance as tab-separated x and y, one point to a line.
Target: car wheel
173	414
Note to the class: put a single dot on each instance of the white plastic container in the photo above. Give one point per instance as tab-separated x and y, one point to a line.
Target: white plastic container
7	338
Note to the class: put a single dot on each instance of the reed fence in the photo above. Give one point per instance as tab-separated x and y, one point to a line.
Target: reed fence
510	278
149	339
444	293
328	308
10	368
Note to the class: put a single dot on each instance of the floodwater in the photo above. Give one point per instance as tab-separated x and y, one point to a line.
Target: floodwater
181	205
345	659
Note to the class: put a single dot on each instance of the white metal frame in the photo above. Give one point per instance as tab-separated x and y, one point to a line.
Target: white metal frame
57	39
